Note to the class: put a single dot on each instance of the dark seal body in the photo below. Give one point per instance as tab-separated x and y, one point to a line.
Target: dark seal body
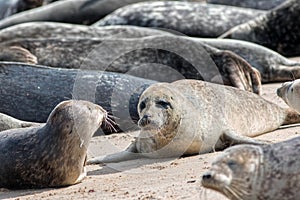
271	65
69	11
190	18
162	58
52	155
278	29
10	7
39	30
248	172
255	4
30	92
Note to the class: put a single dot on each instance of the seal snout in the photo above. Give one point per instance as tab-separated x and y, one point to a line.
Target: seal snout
144	121
206	176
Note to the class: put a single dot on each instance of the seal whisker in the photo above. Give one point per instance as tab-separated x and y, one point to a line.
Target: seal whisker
240	189
109	123
233	192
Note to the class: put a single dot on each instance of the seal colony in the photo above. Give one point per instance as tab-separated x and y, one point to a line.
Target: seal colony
248	172
278	29
188	58
52	155
47	35
189	117
190	18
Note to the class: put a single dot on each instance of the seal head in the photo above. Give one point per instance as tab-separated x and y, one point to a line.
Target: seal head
290	93
235	172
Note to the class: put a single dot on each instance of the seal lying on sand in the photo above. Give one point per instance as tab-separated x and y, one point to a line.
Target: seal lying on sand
52	155
250	172
70	11
189	117
190	18
178	56
39	30
30	92
8	122
256	4
290	93
272	66
278	29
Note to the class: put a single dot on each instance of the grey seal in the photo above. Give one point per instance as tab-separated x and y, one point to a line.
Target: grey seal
250	172
8	122
39	30
30	92
272	66
189	117
190	18
69	11
10	7
51	155
255	4
278	29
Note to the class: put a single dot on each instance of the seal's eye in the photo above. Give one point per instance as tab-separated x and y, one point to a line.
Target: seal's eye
232	164
142	105
163	104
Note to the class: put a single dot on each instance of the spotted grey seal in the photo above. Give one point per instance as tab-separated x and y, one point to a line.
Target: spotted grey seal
35	30
52	155
250	172
256	4
290	93
30	92
272	66
70	11
136	56
190	18
189	117
278	29
8	122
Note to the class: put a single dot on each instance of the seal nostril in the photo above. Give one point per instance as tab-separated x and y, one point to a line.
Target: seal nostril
206	176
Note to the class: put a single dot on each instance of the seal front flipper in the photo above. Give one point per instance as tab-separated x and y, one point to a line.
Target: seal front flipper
17	54
129	154
229	138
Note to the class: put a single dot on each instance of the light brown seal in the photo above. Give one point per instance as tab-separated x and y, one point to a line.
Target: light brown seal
52	155
8	122
249	172
290	93
189	117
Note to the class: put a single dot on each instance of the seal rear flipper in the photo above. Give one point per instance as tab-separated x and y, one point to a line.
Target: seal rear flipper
129	154
230	138
17	54
237	71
